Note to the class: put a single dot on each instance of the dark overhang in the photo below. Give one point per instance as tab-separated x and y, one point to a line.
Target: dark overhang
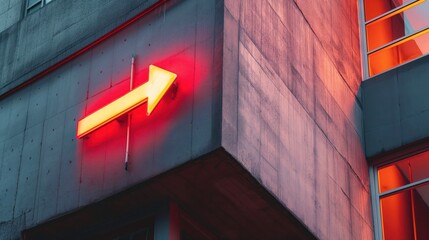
214	191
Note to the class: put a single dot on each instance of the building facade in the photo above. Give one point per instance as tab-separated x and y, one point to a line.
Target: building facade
214	119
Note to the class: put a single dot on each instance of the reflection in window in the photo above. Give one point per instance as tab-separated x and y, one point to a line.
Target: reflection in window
403	192
33	5
396	32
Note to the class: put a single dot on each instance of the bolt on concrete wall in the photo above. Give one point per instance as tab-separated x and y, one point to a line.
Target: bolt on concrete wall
291	108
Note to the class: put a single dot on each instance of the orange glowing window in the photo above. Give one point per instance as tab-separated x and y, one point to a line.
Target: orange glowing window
403	198
397	31
151	92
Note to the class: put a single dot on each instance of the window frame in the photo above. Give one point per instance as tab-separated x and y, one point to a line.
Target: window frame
28	6
364	45
383	160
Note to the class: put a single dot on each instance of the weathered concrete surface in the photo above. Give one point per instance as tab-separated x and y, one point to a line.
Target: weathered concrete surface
396	107
55	31
45	170
291	108
11	11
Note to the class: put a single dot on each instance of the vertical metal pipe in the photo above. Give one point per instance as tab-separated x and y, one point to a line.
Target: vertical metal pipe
127	146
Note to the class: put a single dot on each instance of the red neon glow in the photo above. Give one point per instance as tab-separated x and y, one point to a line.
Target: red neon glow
151	92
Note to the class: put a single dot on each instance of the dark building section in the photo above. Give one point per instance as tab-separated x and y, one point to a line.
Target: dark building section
259	137
213	197
395	109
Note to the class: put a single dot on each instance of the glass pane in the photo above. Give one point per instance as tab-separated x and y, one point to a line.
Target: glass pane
34	7
384	31
397	217
412	169
390	177
419	165
421	211
392	56
32	2
374	8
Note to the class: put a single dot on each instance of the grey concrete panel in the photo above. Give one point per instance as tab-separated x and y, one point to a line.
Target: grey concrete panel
3	19
229	84
382	139
172	139
142	143
5	109
4	5
98	151
381	101
178	27
75	10
10	13
270	127
395	107
413	88
38	103
148	41
251	20
18	114
115	176
79	80
49	170
28	174
360	199
355	151
166	32
59	86
249	125
101	68
414	128
1	155
124	48
92	171
70	162
12	229
178	141
209	86
10	168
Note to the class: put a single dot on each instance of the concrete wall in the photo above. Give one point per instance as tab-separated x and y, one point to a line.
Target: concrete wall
396	107
52	33
11	11
292	111
46	171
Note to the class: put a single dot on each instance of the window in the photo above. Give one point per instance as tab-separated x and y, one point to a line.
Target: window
397	31
33	5
401	196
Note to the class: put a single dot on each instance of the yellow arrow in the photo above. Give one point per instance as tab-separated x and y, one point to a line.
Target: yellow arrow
152	91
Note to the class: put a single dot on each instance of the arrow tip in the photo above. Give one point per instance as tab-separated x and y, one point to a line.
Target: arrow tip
159	82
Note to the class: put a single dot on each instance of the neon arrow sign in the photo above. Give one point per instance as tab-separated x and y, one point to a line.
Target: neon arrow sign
151	92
